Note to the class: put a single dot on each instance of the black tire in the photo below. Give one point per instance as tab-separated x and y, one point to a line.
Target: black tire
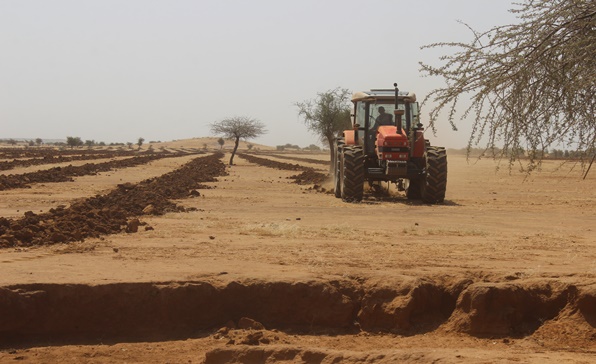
337	167
352	173
434	182
413	192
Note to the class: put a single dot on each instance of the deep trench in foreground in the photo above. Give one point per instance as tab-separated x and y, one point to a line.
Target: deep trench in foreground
168	310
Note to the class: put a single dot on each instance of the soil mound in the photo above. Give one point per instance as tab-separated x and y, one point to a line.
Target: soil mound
271	163
308	175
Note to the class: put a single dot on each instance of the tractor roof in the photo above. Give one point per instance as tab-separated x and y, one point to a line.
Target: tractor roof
383	95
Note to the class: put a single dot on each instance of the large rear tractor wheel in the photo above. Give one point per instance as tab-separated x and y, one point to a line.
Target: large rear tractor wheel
352	173
434	182
336	165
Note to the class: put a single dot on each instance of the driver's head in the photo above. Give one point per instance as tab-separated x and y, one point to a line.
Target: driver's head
381	110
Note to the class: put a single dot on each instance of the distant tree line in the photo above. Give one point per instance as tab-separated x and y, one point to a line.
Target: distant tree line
312	147
72	142
553	153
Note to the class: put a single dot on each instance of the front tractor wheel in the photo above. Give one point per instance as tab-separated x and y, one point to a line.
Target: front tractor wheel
434	182
352	173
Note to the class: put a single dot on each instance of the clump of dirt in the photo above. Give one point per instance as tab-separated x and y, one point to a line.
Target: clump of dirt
308	177
65	174
112	212
248	332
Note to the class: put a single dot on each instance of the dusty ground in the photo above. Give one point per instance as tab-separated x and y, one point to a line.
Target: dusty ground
505	270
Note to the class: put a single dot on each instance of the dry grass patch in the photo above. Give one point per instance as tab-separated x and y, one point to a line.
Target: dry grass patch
414	231
295	230
77	247
271	230
456	232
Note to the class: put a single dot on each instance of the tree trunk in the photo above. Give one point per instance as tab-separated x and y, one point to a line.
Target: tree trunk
331	140
236	142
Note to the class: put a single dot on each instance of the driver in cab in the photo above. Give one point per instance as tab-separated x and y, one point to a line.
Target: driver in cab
382	119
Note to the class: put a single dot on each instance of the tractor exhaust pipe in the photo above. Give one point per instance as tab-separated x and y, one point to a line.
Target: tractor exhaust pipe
398	113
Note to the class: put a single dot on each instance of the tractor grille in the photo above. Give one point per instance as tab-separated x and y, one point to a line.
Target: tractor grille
378	171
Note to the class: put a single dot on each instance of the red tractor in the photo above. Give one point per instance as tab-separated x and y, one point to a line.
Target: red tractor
387	143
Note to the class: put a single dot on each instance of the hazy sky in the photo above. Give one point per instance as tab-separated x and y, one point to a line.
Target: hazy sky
114	71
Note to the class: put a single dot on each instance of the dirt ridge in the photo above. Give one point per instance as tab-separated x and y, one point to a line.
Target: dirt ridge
298	159
113	212
141	311
308	176
65	174
7	165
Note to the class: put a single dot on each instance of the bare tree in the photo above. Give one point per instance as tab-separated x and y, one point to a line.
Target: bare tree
327	115
236	128
531	84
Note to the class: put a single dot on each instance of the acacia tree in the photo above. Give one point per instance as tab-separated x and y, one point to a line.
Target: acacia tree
221	143
73	142
531	84
327	115
140	142
236	128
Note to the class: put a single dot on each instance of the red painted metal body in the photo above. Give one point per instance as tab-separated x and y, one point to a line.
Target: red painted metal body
419	144
391	145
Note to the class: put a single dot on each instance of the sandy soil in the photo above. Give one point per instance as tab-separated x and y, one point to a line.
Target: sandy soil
529	241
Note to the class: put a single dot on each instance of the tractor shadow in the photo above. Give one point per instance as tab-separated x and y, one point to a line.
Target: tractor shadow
375	197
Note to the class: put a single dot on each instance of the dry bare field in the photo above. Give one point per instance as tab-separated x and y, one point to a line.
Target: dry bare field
254	268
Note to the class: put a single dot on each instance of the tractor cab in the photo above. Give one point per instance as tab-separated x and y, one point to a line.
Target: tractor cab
375	110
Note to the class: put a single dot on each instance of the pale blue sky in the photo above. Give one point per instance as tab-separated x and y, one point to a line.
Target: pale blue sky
117	70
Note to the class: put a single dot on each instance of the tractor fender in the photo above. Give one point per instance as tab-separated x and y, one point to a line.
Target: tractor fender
349	136
419	144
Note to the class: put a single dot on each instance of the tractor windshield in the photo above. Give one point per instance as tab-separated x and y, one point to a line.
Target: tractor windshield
383	113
